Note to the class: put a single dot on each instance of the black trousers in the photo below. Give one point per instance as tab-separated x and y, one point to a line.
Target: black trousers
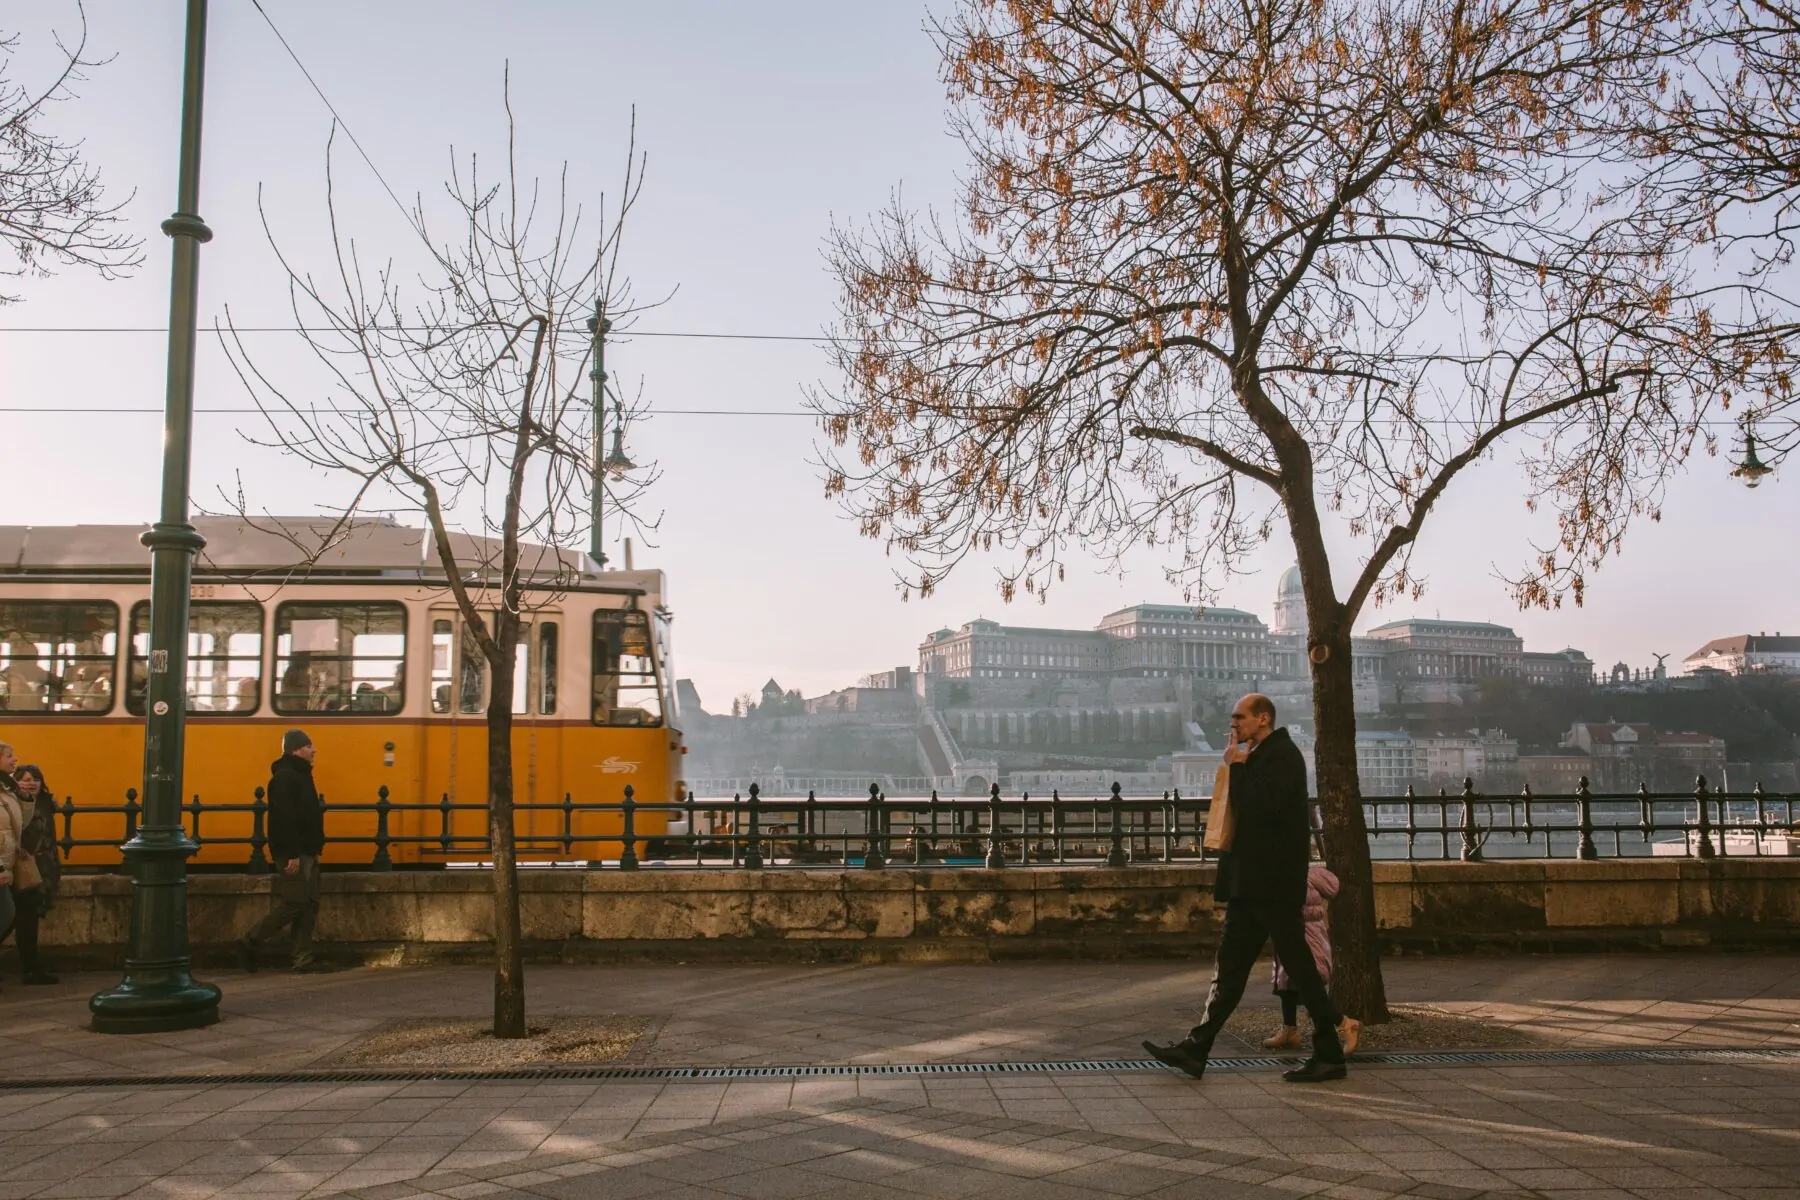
24	923
1250	925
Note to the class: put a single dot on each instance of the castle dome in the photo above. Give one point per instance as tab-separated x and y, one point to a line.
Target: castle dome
1290	583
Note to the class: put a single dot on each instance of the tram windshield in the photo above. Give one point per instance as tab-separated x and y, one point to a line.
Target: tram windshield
57	657
627	690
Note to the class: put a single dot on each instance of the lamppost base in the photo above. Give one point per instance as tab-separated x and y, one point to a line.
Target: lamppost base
186	1004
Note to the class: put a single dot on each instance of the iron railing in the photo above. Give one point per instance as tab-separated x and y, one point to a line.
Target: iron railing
751	831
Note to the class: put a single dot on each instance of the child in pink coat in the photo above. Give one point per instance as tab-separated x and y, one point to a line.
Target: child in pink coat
1321	886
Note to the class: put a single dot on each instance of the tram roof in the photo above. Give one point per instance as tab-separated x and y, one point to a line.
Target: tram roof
380	548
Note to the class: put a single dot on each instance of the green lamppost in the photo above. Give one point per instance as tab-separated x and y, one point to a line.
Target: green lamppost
617	463
158	993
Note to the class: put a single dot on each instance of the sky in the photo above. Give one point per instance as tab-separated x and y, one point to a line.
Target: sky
764	124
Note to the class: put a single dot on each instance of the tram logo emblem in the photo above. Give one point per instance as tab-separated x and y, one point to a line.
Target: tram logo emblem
617	766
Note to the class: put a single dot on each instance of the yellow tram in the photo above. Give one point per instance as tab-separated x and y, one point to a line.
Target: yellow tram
365	650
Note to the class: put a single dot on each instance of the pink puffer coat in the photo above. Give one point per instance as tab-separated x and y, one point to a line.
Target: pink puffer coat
1321	886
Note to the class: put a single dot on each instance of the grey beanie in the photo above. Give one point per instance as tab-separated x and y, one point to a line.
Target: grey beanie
293	739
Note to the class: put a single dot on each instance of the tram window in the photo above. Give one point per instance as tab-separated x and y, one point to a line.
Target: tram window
626	691
442	653
224	665
473	673
547	667
58	657
340	658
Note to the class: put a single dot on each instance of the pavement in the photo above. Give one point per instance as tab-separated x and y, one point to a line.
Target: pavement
1691	1120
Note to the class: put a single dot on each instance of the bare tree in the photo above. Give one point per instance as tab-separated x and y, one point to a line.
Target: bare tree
53	208
463	399
1224	268
1719	135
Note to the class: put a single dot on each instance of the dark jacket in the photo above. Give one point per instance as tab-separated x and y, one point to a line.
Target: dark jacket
1272	842
296	818
39	841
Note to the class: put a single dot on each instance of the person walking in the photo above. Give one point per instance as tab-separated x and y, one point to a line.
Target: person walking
1321	886
12	826
37	841
1262	880
296	839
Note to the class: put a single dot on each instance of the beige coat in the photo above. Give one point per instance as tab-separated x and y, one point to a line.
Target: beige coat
12	824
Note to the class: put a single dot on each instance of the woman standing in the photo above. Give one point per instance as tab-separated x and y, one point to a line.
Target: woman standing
38	839
12	824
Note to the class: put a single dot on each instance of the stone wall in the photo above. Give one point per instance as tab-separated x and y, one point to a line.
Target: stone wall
959	915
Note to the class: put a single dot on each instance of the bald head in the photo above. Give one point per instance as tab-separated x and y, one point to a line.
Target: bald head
1253	718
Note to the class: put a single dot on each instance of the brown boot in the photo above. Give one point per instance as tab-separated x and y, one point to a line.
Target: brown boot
1285	1038
1349	1034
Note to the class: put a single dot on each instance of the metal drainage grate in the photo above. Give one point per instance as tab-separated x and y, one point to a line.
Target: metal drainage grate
1432	1058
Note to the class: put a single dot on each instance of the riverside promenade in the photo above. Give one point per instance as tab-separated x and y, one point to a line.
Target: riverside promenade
1658	1075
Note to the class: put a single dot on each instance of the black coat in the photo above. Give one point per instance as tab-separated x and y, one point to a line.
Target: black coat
296	818
1271	845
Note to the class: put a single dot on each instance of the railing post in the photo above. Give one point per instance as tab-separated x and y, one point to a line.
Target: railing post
68	815
1700	798
811	816
1762	817
1115	857
1647	813
1471	830
1169	811
194	807
132	809
753	856
996	854
628	859
1584	817
446	831
259	842
1056	823
568	824
693	829
382	862
935	802
873	859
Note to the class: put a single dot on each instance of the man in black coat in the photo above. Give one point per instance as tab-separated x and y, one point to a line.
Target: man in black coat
1262	880
296	839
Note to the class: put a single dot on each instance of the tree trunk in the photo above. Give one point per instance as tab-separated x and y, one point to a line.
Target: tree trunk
509	964
1356	983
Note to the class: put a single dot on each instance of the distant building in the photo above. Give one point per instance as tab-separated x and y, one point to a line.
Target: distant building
1625	756
990	650
1390	761
1201	643
1450	651
867	701
1562	668
1555	774
1290	604
900	679
1747	654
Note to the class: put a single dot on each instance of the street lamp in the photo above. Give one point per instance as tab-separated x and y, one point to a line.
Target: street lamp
1752	469
616	463
158	994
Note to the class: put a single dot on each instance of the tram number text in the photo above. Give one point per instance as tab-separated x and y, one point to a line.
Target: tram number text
203	591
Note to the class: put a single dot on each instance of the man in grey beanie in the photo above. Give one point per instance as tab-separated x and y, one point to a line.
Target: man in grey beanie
296	839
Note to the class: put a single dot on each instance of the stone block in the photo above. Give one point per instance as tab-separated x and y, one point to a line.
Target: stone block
700	911
974	903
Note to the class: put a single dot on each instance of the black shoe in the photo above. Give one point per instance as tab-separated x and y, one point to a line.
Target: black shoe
246	956
40	978
1314	1071
1186	1056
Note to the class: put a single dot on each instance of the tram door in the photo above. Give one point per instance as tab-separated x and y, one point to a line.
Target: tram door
456	758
